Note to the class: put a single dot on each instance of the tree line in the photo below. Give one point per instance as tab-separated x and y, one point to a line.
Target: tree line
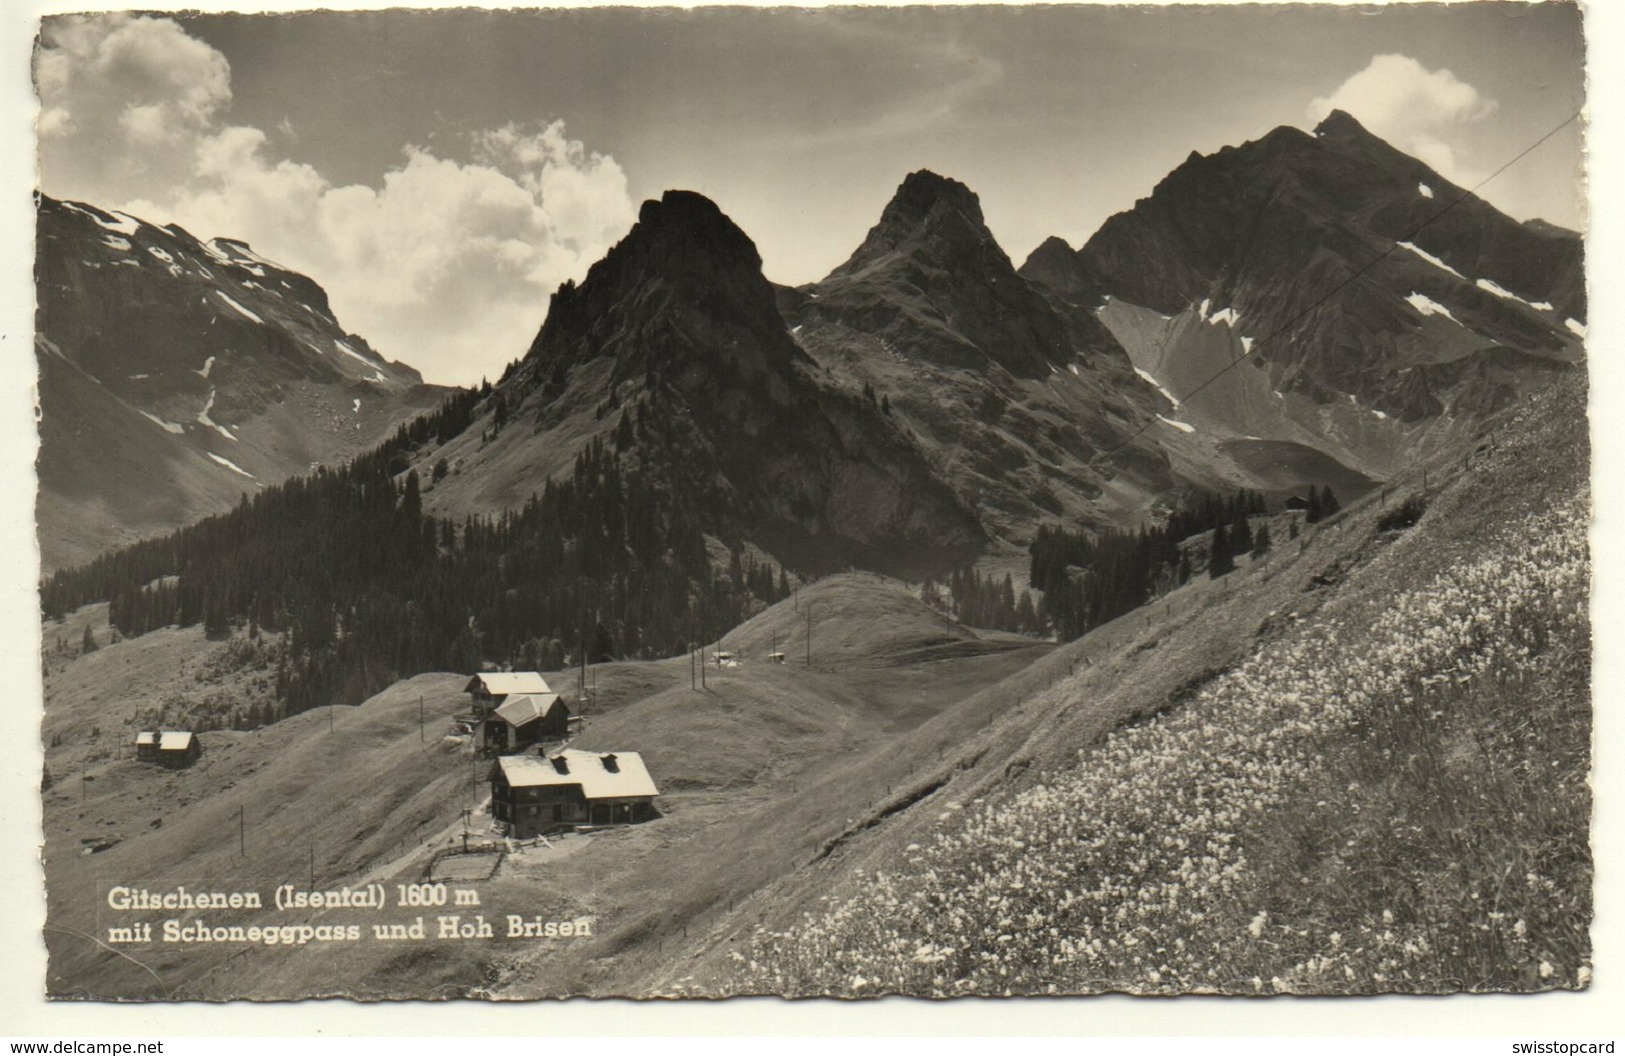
367	588
1091	578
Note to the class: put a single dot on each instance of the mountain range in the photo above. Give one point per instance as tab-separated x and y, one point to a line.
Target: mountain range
1307	308
178	375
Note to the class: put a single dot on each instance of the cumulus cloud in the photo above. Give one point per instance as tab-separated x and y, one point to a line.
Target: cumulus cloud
1416	109
447	265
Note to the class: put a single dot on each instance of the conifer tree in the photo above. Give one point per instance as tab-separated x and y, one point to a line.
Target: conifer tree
1220	559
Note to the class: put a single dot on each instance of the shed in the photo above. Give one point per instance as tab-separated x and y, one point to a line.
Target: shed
175	749
534	794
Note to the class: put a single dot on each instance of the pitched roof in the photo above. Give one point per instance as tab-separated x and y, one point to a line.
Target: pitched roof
590	770
503	683
167	741
526	707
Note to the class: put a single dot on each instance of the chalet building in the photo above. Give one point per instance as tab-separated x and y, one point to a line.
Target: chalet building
523	720
536	794
175	749
488	691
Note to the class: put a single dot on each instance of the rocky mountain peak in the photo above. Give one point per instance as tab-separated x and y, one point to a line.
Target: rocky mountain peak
690	224
1340	124
680	295
924	196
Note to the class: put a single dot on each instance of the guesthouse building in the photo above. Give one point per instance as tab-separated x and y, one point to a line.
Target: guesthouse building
532	795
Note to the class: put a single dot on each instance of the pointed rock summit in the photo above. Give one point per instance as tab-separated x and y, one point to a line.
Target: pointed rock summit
1357	280
1342	125
682	296
932	281
672	350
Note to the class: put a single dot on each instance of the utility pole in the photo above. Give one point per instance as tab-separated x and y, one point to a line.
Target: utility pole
582	695
809	635
693	676
702	666
422	736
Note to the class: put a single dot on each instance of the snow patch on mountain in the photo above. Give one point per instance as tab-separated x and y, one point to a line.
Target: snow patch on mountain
240	309
1431	259
168	427
1541	306
1181	426
1500	291
208	365
229	464
122	223
1576	326
1424	190
115	242
352	353
1428	306
204	419
1157	384
1226	316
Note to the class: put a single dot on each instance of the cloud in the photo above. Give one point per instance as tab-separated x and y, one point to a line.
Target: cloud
1416	109
447	264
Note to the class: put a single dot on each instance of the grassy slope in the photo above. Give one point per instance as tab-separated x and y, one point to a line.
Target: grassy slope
729	760
1443	772
783	783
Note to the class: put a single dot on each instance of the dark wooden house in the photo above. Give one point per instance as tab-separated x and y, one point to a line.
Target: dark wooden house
523	720
535	794
175	749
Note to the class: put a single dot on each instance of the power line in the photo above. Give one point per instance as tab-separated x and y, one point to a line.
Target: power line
1329	294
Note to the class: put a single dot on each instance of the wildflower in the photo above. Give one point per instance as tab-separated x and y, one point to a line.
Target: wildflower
1546	969
1256	928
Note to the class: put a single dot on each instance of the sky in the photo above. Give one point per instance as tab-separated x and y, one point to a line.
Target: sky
441	172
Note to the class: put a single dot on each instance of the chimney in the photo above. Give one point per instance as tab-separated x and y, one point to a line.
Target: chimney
560	764
611	765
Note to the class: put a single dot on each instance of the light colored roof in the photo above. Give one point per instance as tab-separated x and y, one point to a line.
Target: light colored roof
503	683
167	741
526	707
587	769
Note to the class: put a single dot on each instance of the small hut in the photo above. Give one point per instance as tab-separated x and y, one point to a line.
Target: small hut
173	749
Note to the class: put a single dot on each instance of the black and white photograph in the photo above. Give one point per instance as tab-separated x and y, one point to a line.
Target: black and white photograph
982	501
